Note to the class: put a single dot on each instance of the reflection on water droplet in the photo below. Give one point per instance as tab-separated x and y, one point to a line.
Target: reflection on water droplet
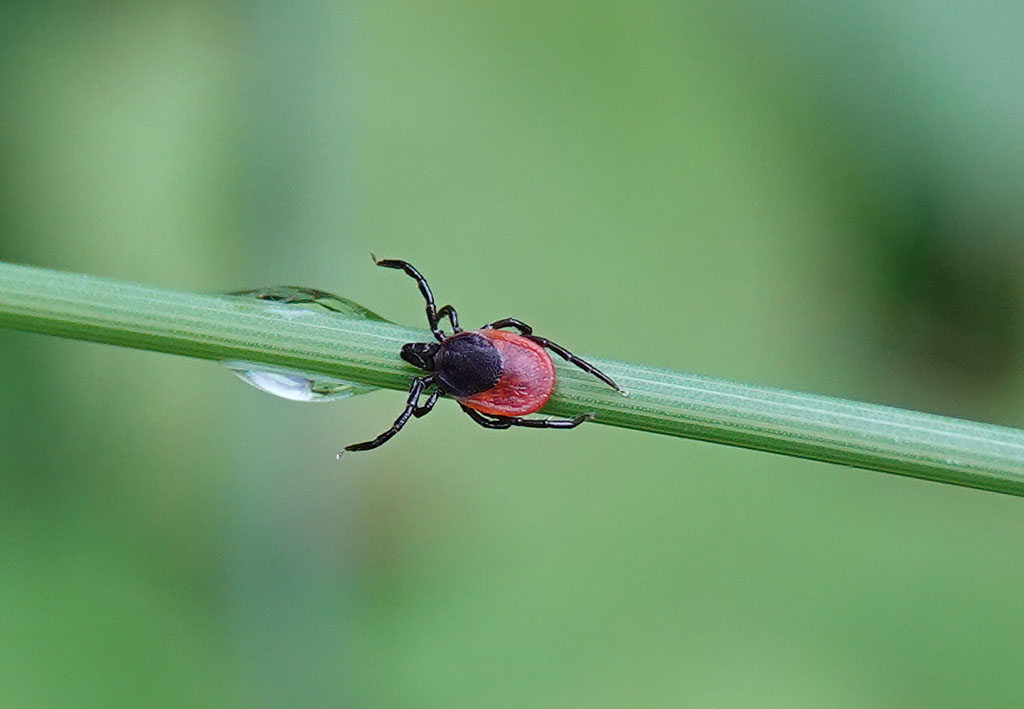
290	384
295	386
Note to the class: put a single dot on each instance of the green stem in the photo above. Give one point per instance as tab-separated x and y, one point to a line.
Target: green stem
660	401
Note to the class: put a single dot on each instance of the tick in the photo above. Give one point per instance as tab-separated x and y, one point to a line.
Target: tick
495	375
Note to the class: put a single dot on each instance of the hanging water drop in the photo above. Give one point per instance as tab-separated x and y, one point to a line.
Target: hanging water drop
295	386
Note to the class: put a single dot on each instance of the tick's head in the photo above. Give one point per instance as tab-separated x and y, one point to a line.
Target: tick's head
421	354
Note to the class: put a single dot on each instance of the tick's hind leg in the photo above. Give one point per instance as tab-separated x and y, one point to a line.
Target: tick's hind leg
502	422
412	408
484	420
573	359
527	331
550	423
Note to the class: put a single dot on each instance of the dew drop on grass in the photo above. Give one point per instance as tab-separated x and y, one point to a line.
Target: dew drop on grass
295	385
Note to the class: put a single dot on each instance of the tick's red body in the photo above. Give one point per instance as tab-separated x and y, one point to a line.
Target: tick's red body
527	377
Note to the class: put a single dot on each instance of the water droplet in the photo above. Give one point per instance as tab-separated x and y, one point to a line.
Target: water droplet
289	384
299	299
295	386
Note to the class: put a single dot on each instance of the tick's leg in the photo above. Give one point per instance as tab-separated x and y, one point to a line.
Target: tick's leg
510	322
581	363
421	411
410	408
484	420
453	317
565	354
547	423
428	295
502	422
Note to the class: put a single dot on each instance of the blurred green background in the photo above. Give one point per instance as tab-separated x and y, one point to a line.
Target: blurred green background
824	197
